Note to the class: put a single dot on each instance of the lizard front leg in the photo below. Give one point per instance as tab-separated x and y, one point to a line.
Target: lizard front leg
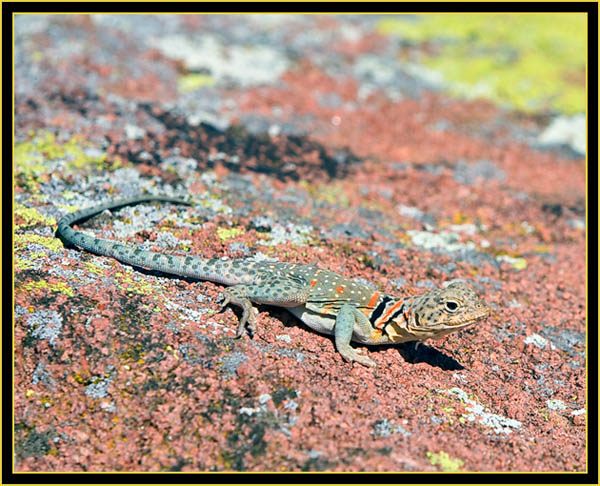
277	290
345	322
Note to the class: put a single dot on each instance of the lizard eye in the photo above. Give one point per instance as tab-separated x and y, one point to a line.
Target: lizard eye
451	306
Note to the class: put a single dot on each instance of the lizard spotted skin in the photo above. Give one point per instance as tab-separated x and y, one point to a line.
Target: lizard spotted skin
324	300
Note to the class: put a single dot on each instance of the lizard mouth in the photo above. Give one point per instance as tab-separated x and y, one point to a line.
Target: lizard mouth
471	319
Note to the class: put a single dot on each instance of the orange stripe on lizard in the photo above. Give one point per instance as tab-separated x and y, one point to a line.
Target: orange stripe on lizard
374	299
368	309
390	311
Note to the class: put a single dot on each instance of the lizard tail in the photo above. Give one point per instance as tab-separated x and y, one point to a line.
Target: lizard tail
83	214
228	272
173	264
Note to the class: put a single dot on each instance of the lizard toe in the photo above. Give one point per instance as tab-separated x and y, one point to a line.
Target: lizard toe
249	318
351	354
252	322
240	328
365	361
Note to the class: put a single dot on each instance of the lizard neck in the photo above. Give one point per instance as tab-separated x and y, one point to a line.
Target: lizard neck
402	326
397	327
390	316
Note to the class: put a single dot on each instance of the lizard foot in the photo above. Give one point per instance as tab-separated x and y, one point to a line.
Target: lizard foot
249	317
252	320
249	313
351	354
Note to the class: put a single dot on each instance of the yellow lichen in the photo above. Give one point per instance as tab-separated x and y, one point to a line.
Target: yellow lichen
444	461
67	195
228	233
191	82
31	217
128	284
21	264
24	240
331	193
92	268
37	157
46	402
518	263
59	287
68	207
528	61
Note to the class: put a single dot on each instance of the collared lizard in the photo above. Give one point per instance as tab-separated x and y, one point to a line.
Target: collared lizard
324	300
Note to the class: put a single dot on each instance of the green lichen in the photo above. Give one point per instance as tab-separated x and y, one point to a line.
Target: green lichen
533	62
444	461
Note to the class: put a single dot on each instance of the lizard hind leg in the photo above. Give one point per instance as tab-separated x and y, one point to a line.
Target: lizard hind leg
280	291
236	295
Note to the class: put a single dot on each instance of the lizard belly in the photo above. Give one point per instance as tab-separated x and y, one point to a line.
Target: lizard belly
319	322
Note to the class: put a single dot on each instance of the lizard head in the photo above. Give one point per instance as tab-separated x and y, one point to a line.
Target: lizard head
439	312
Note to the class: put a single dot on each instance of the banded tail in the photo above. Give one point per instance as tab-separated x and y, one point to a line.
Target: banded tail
187	266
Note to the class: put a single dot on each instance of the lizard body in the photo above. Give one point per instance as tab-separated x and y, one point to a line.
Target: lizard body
324	300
